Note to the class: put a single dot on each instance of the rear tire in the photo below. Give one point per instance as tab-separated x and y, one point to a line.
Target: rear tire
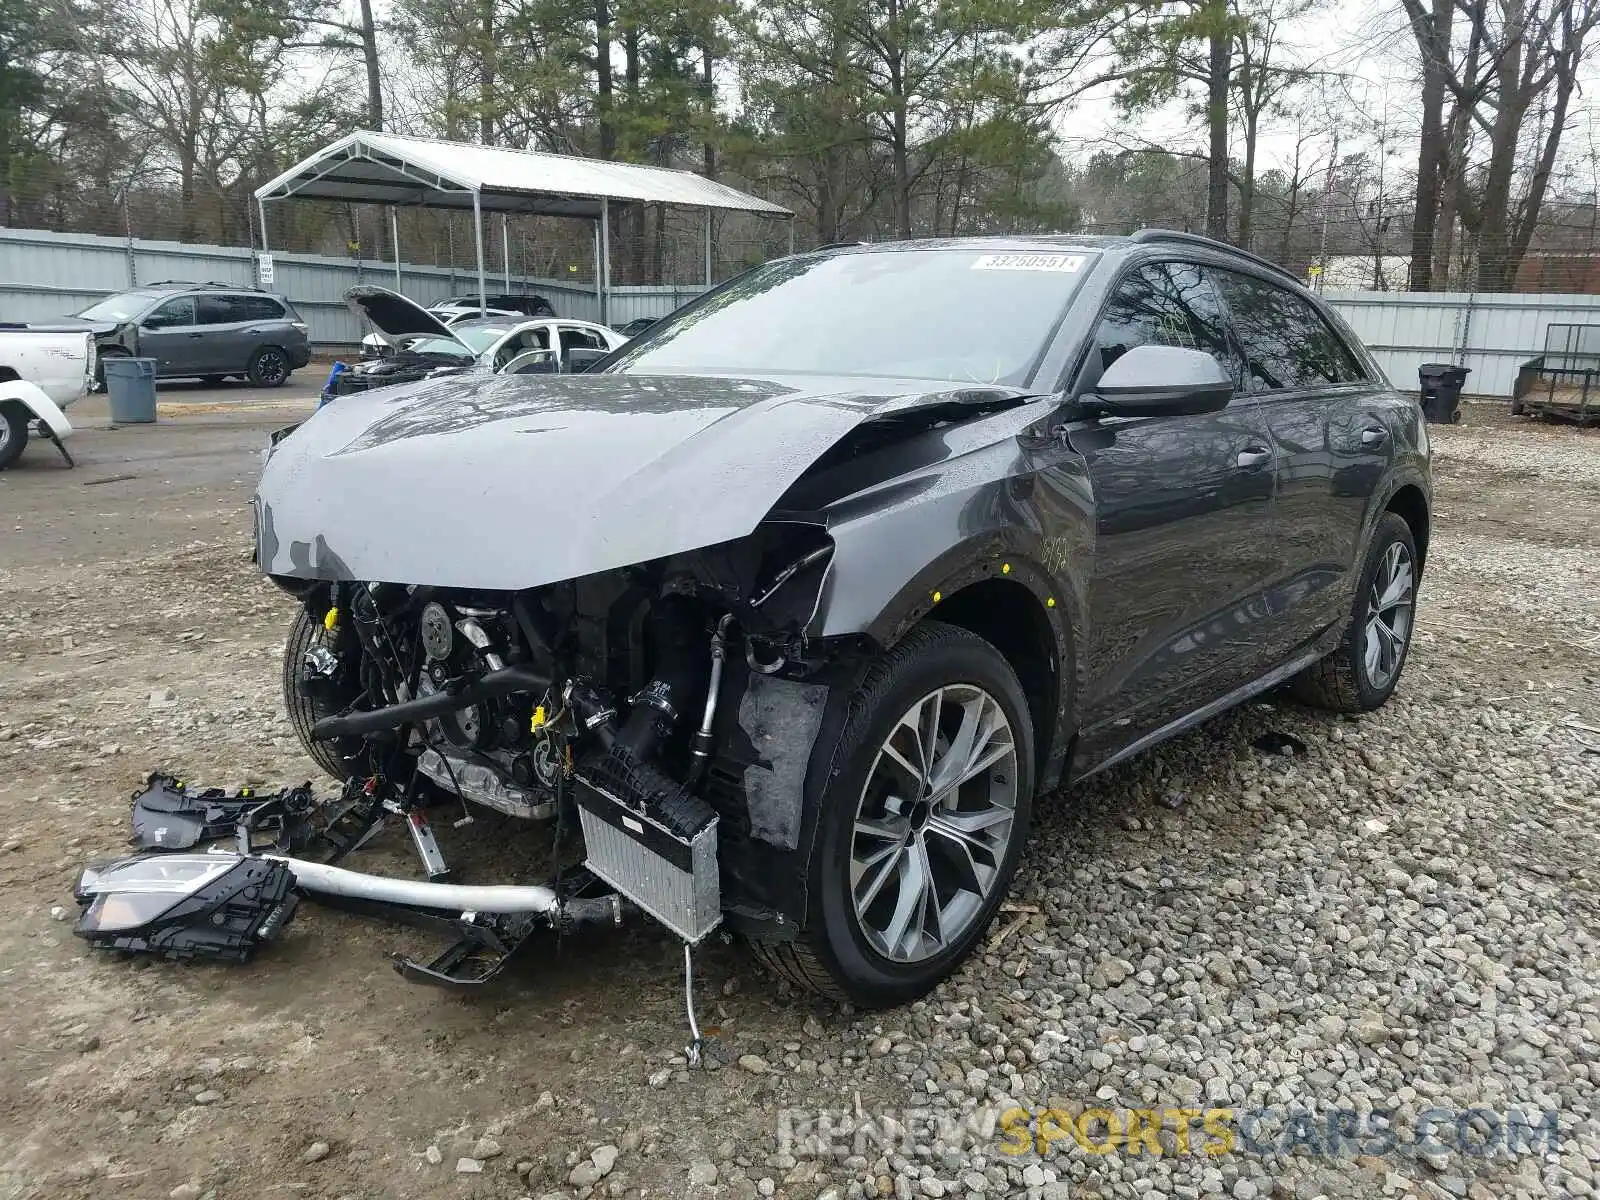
13	433
345	758
269	367
868	939
1365	669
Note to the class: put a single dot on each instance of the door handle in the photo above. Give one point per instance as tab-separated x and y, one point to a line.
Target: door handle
1253	457
195	335
1374	436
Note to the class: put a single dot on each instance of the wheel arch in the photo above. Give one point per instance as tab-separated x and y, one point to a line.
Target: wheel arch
1410	503
995	589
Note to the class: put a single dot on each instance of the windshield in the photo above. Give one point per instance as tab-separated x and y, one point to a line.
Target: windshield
959	314
117	308
434	345
478	338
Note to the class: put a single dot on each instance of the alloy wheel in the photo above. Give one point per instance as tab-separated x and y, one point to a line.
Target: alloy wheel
5	433
934	823
271	366
1389	609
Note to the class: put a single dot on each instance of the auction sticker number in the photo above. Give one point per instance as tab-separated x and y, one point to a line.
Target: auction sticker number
1028	262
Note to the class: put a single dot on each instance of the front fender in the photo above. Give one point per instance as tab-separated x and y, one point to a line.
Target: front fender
32	397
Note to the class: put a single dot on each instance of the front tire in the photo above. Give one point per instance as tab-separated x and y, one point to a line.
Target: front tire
346	757
100	365
13	433
1363	672
921	821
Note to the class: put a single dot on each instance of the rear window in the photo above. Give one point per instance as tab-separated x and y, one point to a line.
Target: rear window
963	315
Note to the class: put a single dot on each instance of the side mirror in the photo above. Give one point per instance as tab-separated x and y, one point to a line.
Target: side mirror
1160	381
580	359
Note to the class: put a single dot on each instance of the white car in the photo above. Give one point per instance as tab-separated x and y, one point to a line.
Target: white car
42	373
420	346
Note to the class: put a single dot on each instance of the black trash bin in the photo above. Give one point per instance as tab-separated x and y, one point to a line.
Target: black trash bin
1441	391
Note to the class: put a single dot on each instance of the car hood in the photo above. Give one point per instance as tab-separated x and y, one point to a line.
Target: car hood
395	317
74	325
509	482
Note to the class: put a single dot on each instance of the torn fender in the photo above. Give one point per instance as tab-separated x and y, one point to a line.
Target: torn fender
33	398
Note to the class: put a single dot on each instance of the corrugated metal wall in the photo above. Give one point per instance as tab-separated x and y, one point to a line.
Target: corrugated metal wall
45	274
1491	334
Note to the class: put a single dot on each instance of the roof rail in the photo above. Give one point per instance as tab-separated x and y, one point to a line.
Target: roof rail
1195	239
189	283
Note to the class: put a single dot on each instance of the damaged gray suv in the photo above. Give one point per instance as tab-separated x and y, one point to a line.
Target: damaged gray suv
798	604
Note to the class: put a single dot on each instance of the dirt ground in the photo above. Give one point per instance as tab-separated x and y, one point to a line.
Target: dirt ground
134	633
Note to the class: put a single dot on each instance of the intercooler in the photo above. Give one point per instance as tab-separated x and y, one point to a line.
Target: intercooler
668	871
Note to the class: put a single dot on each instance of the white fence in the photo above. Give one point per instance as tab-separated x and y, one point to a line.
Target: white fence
45	274
1489	333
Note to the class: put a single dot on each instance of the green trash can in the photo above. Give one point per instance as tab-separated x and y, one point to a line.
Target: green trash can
131	388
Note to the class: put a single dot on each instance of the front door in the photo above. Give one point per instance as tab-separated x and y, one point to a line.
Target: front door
169	334
1183	520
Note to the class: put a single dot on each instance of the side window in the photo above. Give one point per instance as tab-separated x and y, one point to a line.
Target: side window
1287	344
217	310
177	311
257	308
580	339
1162	304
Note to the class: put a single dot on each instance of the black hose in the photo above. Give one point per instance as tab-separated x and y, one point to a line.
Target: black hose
496	683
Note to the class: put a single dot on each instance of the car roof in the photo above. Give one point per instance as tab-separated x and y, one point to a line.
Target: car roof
1139	239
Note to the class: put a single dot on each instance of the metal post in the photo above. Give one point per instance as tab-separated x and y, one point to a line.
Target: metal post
791	235
708	249
394	236
477	241
505	247
261	210
605	261
599	298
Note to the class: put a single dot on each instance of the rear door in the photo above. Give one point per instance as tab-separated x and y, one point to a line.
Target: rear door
1183	518
169	334
1332	443
222	346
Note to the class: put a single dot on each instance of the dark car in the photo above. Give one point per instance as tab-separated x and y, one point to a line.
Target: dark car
803	602
198	331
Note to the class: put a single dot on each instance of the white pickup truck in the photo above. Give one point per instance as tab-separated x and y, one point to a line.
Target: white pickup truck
41	374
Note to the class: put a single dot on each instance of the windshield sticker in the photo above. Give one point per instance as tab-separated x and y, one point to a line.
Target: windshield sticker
1028	262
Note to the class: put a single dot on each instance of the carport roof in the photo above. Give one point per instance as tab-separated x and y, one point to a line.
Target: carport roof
390	168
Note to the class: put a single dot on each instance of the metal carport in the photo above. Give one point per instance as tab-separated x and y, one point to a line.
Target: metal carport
399	171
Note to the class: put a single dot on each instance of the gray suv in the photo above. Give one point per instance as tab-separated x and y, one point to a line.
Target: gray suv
198	330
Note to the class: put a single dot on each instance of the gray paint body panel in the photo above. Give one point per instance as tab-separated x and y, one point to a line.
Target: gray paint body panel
510	482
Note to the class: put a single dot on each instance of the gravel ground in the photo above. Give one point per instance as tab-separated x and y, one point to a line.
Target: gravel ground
1400	917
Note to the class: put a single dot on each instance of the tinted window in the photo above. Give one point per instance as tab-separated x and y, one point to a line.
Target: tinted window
957	314
217	310
177	311
1162	304
256	308
1286	343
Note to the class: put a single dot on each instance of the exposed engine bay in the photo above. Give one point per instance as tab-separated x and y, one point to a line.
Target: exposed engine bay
605	698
